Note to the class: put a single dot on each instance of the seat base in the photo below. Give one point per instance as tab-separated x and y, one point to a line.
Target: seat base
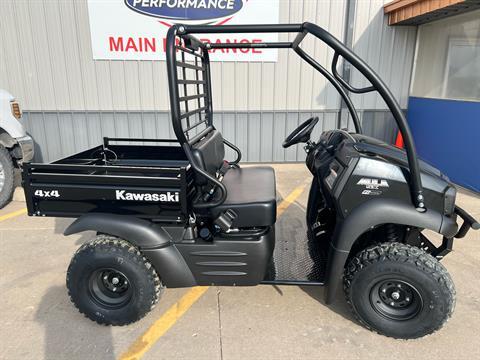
251	195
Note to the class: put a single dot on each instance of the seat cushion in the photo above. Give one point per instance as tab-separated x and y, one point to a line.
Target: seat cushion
251	194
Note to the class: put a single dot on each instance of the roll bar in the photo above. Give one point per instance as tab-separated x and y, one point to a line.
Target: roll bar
341	85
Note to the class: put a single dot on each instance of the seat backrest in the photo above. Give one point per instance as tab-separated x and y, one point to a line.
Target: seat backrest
209	153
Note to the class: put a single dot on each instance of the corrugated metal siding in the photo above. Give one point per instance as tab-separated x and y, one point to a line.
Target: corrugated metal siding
71	101
48	65
388	50
259	134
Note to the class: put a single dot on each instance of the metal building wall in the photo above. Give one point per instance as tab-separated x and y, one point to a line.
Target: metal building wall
70	101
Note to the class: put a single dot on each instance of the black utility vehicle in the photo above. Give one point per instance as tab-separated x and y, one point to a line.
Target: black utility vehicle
175	213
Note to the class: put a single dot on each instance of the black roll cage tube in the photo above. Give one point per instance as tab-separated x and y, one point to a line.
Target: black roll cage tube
342	86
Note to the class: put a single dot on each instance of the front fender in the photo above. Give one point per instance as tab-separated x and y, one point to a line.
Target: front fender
369	215
152	240
10	124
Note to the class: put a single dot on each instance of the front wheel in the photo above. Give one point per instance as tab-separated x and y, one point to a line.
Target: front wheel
399	290
110	281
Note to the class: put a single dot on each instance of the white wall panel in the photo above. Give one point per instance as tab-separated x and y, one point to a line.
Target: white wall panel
73	68
146	89
42	54
46	44
93	97
46	62
117	81
10	48
58	55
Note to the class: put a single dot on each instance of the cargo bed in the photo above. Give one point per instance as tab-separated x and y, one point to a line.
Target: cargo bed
151	181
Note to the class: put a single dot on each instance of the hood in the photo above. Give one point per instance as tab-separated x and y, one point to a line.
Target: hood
392	154
6	96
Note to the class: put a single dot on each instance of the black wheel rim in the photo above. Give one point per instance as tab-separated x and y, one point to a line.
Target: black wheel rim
396	299
110	288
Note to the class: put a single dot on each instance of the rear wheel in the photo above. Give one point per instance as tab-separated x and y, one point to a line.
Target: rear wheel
399	290
6	177
110	281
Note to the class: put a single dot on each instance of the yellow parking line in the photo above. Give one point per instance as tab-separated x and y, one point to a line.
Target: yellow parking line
165	322
177	310
290	199
13	214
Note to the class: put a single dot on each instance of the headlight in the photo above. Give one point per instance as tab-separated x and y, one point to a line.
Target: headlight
16	109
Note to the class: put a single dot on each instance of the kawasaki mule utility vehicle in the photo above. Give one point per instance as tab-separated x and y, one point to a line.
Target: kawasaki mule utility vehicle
181	215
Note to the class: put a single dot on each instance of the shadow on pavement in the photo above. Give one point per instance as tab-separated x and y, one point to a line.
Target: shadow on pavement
292	226
339	305
68	334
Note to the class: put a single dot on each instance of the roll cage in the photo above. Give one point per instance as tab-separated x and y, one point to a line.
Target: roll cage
188	68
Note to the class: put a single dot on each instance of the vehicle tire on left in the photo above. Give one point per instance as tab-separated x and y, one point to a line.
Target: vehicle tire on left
111	282
6	177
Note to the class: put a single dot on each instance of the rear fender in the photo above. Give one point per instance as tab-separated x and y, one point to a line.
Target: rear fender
152	240
366	217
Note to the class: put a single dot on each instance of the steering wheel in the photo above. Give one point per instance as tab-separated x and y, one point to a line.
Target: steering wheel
301	133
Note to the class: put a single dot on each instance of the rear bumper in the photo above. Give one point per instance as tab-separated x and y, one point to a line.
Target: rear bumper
26	147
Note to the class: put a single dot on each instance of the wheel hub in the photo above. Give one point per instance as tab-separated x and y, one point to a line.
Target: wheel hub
394	294
110	288
396	299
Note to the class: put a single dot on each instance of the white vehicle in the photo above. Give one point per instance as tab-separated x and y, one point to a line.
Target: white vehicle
16	146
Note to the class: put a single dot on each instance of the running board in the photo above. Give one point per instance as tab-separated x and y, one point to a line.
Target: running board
292	282
297	259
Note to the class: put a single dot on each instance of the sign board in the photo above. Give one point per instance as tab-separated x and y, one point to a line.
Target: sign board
136	29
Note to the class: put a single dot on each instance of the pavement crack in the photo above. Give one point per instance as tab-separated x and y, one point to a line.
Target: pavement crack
219	324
